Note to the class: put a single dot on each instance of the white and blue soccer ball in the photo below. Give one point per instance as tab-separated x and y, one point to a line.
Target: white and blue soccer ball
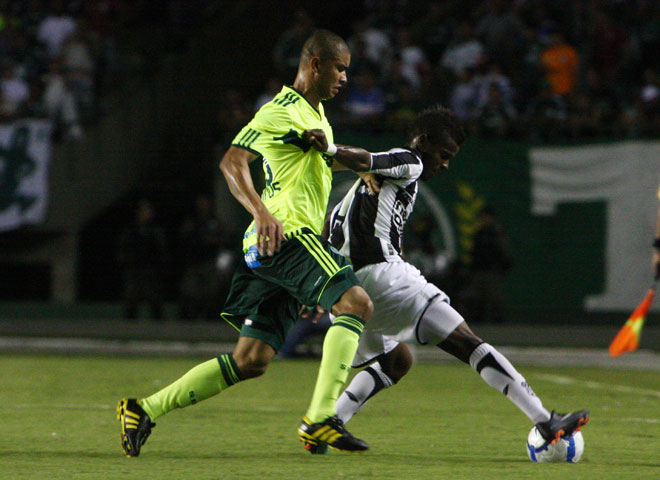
568	449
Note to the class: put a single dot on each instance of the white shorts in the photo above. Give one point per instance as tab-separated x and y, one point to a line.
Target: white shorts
401	295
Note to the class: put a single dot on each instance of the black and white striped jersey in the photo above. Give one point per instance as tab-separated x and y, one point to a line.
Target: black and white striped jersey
368	228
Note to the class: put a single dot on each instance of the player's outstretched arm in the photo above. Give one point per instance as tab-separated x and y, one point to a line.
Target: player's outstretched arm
354	158
269	230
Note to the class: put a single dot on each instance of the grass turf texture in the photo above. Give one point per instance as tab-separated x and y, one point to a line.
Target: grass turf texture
441	421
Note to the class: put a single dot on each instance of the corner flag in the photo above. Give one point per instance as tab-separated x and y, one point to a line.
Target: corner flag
627	340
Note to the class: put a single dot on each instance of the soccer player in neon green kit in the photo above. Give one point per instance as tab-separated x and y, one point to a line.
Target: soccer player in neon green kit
287	263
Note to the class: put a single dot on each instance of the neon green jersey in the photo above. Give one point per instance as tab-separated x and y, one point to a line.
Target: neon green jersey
298	179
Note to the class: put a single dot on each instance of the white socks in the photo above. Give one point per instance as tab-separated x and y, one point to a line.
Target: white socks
498	372
491	365
365	385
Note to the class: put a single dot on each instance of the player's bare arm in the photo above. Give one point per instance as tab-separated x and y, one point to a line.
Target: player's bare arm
235	167
372	181
354	158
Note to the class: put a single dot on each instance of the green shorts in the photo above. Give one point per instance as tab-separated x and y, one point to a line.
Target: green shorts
264	301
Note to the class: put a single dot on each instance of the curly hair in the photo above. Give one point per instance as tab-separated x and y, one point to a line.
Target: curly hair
436	122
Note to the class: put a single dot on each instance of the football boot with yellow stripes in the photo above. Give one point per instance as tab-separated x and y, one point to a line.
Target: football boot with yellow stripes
135	426
331	432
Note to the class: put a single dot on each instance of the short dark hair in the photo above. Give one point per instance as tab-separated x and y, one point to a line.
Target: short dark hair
436	122
323	44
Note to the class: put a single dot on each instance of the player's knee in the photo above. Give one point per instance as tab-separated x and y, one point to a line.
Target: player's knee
397	363
366	307
461	343
251	365
356	302
402	367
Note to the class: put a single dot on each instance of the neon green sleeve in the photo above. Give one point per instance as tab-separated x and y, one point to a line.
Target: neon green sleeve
269	123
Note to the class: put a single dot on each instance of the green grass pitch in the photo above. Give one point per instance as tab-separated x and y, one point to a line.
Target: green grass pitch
58	421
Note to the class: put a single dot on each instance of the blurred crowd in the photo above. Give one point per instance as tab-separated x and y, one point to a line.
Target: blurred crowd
199	254
538	70
534	70
57	57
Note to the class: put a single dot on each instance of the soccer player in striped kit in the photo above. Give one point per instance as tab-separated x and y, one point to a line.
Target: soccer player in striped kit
368	229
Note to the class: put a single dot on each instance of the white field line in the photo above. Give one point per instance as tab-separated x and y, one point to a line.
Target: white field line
563	380
641	420
37	406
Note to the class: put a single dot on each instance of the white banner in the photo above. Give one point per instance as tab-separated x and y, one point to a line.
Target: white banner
25	150
623	175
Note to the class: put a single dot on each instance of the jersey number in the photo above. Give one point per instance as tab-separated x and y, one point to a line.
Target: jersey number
271	187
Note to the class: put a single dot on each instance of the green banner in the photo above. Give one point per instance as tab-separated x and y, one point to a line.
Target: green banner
566	212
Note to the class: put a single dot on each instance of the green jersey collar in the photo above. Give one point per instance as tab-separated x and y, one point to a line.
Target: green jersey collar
304	98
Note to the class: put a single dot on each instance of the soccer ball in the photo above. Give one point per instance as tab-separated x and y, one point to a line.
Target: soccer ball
568	449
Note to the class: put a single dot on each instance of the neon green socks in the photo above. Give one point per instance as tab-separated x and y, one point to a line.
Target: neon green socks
201	382
211	377
339	347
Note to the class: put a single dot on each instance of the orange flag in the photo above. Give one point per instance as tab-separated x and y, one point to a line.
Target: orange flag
627	340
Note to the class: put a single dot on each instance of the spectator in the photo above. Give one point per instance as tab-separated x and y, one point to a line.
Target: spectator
546	115
201	241
27	55
421	249
14	90
464	97
496	116
465	52
560	62
501	32
605	109
414	66
404	106
142	257
286	53
656	244
80	65
360	59
433	30
483	299
377	45
60	104
485	82
55	29
366	100
528	79
581	122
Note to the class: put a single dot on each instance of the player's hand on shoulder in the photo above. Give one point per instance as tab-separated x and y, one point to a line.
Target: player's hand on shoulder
316	138
373	182
270	233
